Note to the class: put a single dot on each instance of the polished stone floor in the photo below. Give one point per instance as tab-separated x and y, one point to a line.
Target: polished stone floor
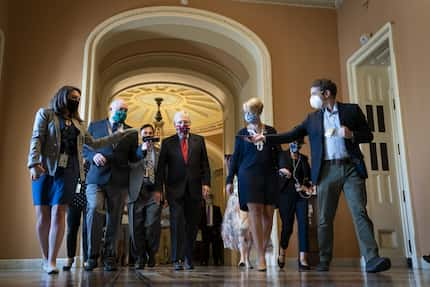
216	276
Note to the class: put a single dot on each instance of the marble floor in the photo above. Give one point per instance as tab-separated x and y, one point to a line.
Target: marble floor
215	276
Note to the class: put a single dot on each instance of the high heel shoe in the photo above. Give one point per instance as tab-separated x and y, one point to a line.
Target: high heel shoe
68	265
281	263
248	265
303	267
245	264
262	268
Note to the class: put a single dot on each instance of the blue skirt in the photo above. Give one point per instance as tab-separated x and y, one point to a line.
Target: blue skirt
57	189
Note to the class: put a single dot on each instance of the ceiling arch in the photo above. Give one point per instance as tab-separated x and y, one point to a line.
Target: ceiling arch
205	111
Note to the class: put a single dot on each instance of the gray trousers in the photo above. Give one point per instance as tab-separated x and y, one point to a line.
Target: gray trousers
145	227
113	198
334	179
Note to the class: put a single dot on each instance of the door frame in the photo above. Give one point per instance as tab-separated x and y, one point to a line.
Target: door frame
2	40
406	212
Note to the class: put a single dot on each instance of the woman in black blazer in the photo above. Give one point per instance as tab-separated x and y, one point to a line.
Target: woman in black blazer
256	166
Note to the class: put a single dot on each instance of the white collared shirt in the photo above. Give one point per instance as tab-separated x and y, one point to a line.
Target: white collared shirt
334	145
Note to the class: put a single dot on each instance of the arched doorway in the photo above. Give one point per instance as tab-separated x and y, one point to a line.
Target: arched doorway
228	48
189	24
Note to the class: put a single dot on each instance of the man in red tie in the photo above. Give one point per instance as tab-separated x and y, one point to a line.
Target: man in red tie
183	169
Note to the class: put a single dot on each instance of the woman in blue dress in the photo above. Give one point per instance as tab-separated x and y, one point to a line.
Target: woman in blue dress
55	163
256	166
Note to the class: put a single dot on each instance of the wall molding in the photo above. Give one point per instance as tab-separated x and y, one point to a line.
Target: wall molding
2	45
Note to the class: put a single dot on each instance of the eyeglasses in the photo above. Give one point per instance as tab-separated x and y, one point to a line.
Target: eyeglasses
183	123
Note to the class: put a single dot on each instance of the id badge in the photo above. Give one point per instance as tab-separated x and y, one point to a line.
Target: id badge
330	132
199	236
146	174
62	162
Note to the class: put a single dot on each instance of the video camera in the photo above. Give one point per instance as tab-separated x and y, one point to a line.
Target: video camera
151	139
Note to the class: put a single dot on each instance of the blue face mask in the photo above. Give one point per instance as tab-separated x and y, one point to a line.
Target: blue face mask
294	147
250	118
119	116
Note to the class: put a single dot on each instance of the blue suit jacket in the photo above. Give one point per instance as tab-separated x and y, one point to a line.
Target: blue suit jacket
351	116
116	170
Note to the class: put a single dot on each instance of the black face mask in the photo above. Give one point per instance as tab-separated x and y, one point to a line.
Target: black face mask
72	106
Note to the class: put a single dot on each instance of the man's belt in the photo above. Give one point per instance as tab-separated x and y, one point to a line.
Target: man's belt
341	161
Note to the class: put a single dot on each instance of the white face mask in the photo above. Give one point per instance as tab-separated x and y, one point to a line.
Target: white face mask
316	102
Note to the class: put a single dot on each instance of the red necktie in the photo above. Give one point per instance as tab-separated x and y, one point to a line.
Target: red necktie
184	149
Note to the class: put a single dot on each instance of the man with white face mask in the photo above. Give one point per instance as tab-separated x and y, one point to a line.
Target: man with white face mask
335	131
183	168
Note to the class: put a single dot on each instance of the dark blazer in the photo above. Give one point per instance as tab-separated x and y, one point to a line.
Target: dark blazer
175	174
246	158
351	116
217	220
116	169
257	171
137	171
303	171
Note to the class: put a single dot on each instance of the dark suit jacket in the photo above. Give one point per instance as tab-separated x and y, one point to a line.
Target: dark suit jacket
217	221
137	171
303	171
175	174
116	169
351	116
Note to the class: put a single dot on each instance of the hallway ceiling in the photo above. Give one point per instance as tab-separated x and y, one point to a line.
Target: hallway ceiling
205	112
311	3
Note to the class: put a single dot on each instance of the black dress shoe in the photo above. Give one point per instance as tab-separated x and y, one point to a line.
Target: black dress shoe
151	261
303	267
90	264
68	265
178	266
426	258
323	266
110	264
378	264
140	263
188	266
139	266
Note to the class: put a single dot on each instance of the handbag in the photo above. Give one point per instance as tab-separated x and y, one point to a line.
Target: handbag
79	197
